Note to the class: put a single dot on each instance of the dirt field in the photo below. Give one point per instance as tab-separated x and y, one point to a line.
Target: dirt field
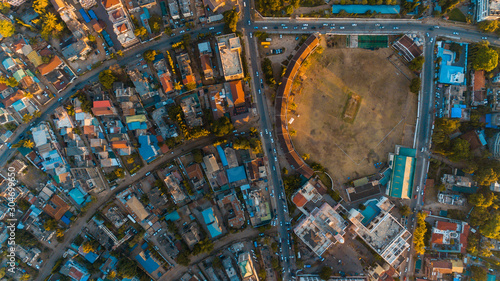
349	149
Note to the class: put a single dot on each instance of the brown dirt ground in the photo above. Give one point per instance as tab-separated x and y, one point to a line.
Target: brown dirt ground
345	149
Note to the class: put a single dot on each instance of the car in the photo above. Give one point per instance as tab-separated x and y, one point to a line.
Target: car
255	27
259	92
432	40
342	27
249	23
332	24
427	34
257	73
332	27
60	99
296	38
304	27
78	70
251	35
354	24
484	38
211	28
407	260
274	168
148	173
305	24
9	145
406	269
415	197
266	132
285	27
281	36
182	31
265	27
395	27
436	26
261	81
295	27
275	158
422	192
283	24
281	223
275	151
455	33
377	24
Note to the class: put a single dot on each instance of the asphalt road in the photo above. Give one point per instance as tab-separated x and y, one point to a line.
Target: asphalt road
294	26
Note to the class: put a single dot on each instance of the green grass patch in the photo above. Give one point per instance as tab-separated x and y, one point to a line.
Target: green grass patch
457	15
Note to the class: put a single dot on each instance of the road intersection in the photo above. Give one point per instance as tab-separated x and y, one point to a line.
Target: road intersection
298	26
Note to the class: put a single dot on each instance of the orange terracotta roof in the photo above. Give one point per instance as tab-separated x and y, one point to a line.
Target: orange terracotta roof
110	3
96	25
18	44
102	103
463	238
119	144
437	238
100	111
237	92
88	129
56	208
49	67
299	200
3	87
122	27
188	79
444	225
166	83
205	62
194	171
479	81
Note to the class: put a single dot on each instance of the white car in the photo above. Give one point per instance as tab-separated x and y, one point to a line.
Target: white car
251	36
265	27
354	24
211	28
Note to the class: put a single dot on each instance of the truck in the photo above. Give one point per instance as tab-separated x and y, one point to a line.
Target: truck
255	244
307	265
92	15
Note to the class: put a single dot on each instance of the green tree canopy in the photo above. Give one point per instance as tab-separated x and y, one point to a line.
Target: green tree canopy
484	57
415	85
485	176
417	63
482	199
405	210
126	268
155	23
51	26
140	32
447	125
7	29
149	55
491	228
419	234
460	150
40	5
478	273
230	20
222	126
325	273
4	7
107	79
488	25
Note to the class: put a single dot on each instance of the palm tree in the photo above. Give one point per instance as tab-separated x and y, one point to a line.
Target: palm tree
28	95
27	118
28	144
178	86
37	114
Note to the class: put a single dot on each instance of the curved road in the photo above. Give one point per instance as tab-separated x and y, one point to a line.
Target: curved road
293	26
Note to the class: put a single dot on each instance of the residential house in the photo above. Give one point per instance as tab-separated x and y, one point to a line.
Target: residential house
75	271
435	269
185	68
148	148
450	237
195	175
173	7
478	88
192	110
121	23
212	222
56	207
103	108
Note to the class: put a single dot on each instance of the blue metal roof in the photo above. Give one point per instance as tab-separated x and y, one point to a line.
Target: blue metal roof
456	112
149	147
236	174
77	196
148	264
222	155
211	222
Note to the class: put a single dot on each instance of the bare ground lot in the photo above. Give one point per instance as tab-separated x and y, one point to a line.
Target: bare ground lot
387	107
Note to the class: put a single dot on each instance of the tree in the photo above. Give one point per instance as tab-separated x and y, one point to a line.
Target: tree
306	156
289	9
2	272
28	95
7	29
484	57
417	63
292	132
89	246
155	23
27	118
183	259
415	85
37	114
70	109
486	248
325	273
488	25
447	125
120	53
222	127
478	273
60	232
479	199
485	176
28	144
292	106
190	86
405	210
107	79
149	55
51	27
197	155
178	86
4	8
40	5
25	277
50	224
491	228
140	32
275	263
472	244
91	38
479	216
126	268
460	150
168	30
230	20
419	234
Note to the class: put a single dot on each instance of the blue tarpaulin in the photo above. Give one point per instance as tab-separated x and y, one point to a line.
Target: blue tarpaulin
236	174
